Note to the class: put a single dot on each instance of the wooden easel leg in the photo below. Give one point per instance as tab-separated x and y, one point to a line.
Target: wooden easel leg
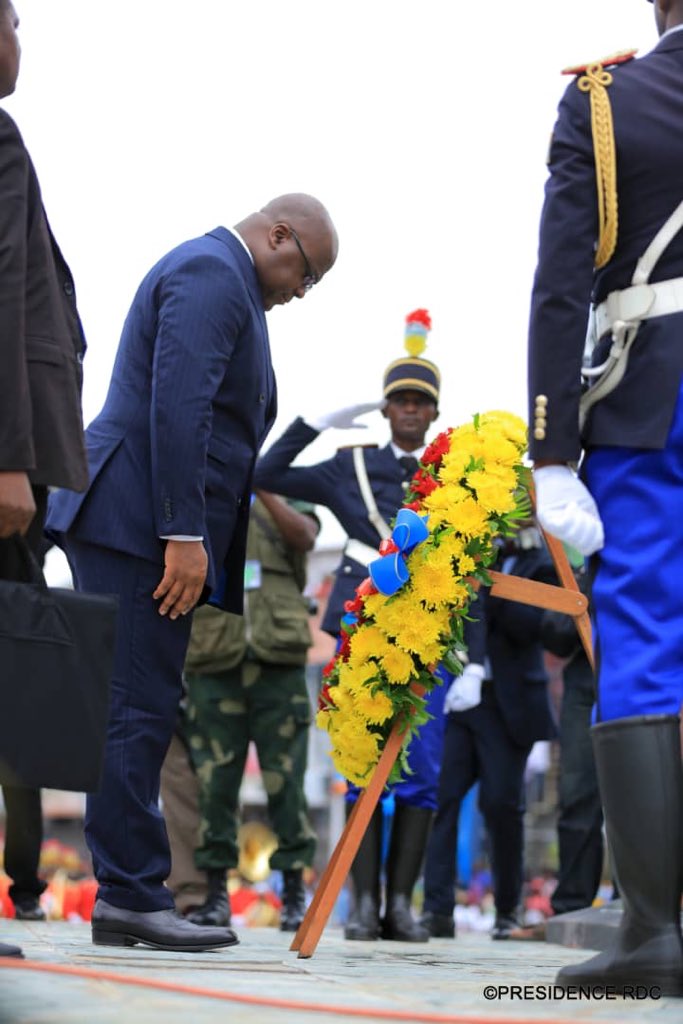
329	887
567	580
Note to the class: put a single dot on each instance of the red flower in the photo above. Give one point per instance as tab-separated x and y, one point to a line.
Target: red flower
435	451
424	483
329	668
355	607
416	506
325	698
345	647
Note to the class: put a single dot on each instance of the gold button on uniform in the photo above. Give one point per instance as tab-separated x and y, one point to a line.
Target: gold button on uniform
540	413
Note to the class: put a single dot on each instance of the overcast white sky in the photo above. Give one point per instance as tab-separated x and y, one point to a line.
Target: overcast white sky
423	126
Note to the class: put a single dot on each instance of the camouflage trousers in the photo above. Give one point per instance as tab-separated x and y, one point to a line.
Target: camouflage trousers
268	704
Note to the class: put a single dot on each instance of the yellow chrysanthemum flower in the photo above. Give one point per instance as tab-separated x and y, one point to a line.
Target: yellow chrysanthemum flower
446	498
323	719
433	583
398	665
466	565
418	629
451	545
377	708
373	603
494	492
355	676
496	449
512	426
367	642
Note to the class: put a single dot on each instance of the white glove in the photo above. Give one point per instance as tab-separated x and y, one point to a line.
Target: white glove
465	690
345	419
565	508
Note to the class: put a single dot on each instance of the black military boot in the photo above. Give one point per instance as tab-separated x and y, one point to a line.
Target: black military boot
293	900
641	785
215	910
363	922
409	834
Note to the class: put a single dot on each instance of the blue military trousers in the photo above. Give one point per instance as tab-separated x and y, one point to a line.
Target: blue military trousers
638	588
424	759
124	828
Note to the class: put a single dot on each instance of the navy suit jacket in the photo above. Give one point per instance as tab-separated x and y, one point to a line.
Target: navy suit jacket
647	104
515	652
191	400
333	483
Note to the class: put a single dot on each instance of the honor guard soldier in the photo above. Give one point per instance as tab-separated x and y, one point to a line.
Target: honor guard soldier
364	487
611	240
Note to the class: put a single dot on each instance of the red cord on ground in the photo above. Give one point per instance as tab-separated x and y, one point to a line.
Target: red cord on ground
282	1004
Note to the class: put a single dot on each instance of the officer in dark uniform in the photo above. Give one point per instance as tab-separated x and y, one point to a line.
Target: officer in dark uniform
611	237
364	488
490	741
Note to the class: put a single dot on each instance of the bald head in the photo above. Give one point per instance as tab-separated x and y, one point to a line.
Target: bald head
293	242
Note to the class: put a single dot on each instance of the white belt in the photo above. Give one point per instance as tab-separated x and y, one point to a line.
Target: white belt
639	302
359	552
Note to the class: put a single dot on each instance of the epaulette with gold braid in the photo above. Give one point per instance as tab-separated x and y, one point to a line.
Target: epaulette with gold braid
595	81
621	57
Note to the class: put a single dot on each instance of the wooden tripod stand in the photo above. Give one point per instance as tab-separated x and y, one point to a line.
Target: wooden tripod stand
566	598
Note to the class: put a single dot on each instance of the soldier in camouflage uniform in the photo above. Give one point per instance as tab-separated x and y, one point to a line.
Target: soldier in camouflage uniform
246	681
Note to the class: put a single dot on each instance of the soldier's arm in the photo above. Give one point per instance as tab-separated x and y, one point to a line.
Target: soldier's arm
298	529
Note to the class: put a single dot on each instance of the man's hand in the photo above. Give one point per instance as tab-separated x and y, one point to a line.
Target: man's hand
565	508
465	690
345	419
185	563
17	507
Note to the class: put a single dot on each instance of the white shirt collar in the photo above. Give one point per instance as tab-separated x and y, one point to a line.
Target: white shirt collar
399	453
670	31
242	242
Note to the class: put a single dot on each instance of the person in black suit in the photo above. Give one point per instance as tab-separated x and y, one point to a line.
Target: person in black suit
580	819
490	741
41	431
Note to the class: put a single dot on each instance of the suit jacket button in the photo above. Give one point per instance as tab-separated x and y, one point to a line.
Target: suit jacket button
261	399
68	288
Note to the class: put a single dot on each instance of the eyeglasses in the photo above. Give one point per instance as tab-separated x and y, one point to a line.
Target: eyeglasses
310	277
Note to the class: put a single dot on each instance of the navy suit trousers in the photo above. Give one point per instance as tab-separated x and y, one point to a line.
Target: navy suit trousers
124	827
477	746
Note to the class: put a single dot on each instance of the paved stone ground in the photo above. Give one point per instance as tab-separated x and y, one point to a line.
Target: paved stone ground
443	978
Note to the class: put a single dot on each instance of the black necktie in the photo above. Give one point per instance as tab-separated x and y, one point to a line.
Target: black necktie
410	464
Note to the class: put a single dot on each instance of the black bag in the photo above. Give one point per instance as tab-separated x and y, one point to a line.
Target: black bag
56	659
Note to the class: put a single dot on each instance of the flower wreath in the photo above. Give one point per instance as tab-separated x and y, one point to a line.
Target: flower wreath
408	616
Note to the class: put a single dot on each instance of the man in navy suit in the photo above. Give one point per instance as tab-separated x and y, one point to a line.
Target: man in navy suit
164	520
612	238
364	487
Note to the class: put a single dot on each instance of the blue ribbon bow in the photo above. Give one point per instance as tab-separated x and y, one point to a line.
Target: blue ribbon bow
390	572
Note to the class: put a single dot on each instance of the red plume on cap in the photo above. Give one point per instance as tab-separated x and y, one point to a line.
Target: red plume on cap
420	316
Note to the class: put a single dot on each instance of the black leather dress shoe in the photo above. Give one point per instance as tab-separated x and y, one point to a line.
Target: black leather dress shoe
504	926
160	929
439	926
29	909
7	950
